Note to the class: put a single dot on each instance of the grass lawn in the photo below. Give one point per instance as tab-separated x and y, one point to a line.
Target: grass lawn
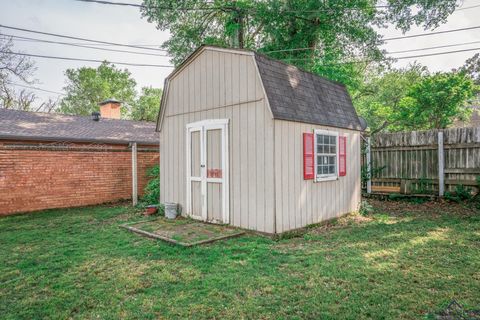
403	262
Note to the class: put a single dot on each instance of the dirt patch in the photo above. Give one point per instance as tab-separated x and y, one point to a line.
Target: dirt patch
429	208
182	231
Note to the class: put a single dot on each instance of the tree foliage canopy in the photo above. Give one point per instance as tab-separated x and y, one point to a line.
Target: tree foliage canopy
334	32
413	99
86	87
147	105
437	100
380	97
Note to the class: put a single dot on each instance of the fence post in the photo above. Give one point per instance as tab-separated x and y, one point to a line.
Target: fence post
441	165
369	166
134	175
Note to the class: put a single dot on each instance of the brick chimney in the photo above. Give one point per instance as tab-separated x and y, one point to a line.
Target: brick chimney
110	109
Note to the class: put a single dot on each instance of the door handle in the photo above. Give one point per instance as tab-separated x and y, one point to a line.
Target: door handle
202	166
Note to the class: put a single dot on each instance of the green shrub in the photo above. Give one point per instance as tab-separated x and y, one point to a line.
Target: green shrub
460	194
365	208
152	189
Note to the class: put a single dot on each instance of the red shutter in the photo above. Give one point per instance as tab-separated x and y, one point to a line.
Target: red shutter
342	156
308	157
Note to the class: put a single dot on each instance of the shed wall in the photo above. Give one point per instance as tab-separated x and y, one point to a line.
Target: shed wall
222	85
300	202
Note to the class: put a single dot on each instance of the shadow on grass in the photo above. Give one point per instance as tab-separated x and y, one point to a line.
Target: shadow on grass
78	263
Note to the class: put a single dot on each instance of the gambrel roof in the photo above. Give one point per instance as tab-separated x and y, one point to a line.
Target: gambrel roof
297	95
293	94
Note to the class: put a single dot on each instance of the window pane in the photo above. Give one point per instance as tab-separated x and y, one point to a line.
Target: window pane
331	169
331	160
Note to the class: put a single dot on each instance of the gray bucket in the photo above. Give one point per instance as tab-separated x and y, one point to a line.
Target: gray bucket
170	210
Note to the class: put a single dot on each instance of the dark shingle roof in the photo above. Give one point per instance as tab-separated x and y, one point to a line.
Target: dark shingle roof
16	124
297	95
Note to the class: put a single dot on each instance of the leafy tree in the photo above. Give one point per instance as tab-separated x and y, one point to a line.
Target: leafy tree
334	32
147	105
384	93
472	68
437	100
15	68
86	87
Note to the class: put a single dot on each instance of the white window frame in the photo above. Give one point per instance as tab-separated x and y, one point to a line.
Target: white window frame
325	177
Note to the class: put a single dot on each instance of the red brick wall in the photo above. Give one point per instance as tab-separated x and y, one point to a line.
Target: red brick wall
33	178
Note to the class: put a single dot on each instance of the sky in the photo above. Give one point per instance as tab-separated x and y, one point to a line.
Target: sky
125	25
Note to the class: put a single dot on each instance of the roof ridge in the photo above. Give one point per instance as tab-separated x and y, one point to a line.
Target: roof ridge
70	115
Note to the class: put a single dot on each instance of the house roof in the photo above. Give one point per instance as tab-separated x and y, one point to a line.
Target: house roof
297	95
16	124
293	94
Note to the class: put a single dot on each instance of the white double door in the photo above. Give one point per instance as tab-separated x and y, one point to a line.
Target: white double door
207	170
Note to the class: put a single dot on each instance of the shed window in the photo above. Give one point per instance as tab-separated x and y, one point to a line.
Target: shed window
326	155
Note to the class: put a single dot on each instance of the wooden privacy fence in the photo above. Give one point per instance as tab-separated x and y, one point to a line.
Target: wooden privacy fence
422	162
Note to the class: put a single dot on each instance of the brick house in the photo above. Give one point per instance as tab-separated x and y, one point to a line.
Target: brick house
55	161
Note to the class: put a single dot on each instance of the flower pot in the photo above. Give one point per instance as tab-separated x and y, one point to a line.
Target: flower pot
171	210
150	210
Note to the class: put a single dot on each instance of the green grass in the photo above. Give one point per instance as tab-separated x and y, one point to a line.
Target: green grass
78	263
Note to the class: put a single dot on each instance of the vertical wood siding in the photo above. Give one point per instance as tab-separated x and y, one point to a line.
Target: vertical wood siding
219	85
300	202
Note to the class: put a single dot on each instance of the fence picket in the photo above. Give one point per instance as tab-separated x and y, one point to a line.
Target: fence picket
441	158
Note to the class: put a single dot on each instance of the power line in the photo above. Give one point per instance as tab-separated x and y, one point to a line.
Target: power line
87	60
221	8
395	58
81	43
78	38
389	39
35	88
83	46
436	54
430	33
435	47
465	8
213	8
135	5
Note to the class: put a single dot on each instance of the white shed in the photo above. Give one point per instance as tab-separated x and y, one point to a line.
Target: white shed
256	143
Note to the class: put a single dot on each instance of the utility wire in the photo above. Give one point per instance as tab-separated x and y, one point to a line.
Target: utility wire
392	58
465	8
78	38
390	39
34	88
87	60
135	5
435	54
435	47
169	66
213	8
82	46
3	35
430	33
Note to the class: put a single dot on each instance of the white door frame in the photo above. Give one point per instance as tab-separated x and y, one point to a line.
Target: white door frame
203	126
